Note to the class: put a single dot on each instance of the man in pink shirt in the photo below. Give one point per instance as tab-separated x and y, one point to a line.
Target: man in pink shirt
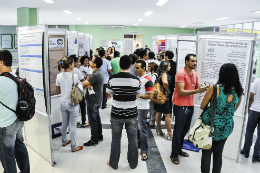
186	85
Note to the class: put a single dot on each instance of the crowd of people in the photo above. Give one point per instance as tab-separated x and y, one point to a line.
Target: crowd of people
129	81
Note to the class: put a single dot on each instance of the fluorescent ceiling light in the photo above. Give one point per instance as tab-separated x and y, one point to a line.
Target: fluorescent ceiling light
78	18
256	12
48	1
136	24
148	13
223	18
161	2
140	20
66	11
183	26
86	23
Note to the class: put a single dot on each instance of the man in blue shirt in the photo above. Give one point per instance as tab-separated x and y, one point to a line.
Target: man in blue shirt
107	71
12	148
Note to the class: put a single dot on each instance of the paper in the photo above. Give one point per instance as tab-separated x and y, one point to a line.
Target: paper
7	41
155	46
172	46
81	41
72	46
219	52
184	48
56	42
161	45
117	44
87	44
30	65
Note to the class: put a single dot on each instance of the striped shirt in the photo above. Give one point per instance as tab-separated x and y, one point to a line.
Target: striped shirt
124	87
146	87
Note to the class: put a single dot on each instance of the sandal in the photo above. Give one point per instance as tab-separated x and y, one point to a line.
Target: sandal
175	160
144	157
169	137
68	142
159	132
77	149
184	154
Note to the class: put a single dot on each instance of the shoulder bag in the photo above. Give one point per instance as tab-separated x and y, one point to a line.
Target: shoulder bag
76	93
200	134
159	93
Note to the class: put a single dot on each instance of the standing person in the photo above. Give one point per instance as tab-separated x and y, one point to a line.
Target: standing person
12	148
164	80
113	48
115	63
160	58
110	52
229	94
124	87
69	112
134	58
85	69
107	70
151	56
186	85
152	68
253	122
95	83
137	47
143	106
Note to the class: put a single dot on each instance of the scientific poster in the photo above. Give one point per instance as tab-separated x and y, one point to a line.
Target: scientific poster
219	52
184	48
6	41
87	44
81	44
161	45
155	46
56	52
30	65
117	44
172	46
72	46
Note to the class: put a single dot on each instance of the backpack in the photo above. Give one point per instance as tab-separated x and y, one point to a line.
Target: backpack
159	93
25	109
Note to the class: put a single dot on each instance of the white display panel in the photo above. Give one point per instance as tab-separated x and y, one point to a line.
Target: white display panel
218	52
184	48
72	43
171	44
30	65
81	44
87	44
155	44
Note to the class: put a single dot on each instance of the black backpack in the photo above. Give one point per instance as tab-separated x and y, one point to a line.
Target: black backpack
25	109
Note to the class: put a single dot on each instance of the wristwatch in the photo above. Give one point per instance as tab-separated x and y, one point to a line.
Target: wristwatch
139	96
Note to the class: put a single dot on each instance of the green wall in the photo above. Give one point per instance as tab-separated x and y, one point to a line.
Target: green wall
110	34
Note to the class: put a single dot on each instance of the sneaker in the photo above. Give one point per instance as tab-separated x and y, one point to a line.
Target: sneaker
255	160
244	154
90	143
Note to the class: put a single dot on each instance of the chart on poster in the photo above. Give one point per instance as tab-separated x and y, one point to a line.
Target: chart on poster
30	65
184	48
217	53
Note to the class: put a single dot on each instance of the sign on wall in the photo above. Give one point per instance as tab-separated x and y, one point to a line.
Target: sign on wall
117	44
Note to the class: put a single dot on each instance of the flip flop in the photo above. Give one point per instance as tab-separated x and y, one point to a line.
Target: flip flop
175	160
68	142
144	157
184	154
80	148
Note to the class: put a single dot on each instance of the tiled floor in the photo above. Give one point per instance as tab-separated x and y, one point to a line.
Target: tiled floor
93	159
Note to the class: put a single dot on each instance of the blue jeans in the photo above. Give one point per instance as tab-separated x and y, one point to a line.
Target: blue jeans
69	117
253	121
94	122
131	130
12	148
183	116
142	134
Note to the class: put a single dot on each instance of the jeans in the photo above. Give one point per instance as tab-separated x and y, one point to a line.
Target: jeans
104	103
82	105
142	134
183	116
217	149
69	117
152	112
94	121
12	148
253	121
131	130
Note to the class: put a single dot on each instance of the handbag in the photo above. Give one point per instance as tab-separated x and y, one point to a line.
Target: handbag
76	93
200	134
159	93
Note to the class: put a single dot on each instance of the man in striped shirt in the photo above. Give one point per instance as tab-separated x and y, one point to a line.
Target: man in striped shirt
125	87
143	106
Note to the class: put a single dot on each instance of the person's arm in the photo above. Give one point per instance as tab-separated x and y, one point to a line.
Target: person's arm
86	83
182	92
239	102
58	89
149	90
165	81
206	98
87	76
146	96
251	99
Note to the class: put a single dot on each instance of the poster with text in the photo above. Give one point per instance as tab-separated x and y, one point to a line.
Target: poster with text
219	52
161	45
6	40
81	41
185	48
56	52
155	46
30	65
72	46
117	44
172	46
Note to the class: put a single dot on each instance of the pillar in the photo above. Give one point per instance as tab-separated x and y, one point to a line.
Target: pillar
27	16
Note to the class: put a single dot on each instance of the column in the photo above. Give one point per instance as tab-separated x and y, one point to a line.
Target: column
27	16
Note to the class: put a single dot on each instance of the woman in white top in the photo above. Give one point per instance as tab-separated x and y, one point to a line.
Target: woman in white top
110	52
69	112
152	67
85	69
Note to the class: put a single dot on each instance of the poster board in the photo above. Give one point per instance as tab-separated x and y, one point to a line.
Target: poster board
155	44
117	44
91	42
215	49
7	41
87	45
72	43
81	44
171	44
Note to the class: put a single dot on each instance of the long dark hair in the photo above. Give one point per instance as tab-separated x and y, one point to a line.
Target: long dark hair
229	77
163	67
65	62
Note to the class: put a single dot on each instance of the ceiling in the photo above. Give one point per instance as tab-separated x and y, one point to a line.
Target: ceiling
174	13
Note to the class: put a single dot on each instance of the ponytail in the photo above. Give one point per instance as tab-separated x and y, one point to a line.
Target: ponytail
65	62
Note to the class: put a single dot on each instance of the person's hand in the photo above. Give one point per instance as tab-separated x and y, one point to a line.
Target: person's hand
207	86
202	89
90	87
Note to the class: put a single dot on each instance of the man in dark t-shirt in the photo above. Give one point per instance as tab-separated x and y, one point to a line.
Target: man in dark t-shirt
94	97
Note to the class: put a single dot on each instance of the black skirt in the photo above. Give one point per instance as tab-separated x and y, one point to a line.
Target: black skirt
166	108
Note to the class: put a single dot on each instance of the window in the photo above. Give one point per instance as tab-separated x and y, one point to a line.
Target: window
257	27
230	28
248	27
238	27
223	29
